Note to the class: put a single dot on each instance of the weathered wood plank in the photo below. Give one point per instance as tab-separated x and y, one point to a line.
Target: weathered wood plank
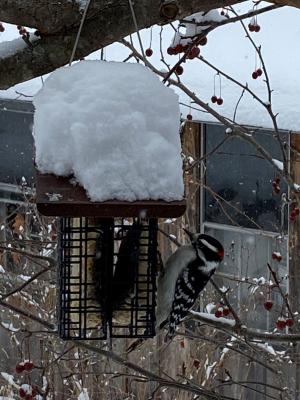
56	196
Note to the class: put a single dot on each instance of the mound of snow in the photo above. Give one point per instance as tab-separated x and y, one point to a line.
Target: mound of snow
115	127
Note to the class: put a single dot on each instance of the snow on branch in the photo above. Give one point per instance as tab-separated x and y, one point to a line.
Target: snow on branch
249	333
212	319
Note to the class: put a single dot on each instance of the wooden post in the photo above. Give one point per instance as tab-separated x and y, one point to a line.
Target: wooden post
294	253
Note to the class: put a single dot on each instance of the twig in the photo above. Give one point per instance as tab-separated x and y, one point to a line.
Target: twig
167	235
239	130
284	298
21	287
224	297
267	81
199	160
237	104
214	25
27	314
51	261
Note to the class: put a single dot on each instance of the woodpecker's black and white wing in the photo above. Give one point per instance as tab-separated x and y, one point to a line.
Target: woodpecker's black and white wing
166	282
189	284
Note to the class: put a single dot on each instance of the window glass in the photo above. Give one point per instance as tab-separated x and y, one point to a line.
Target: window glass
238	182
16	142
244	270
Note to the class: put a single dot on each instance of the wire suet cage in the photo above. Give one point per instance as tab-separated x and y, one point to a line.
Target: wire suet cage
107	285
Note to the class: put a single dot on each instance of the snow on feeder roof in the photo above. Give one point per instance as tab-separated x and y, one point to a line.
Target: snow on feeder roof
114	127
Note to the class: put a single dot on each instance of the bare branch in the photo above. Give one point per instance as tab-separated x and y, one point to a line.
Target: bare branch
21	287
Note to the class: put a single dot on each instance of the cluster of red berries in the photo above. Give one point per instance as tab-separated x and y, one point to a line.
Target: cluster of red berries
179	48
24	366
276	256
254	27
217	100
222	311
23	31
182	48
282	322
27	392
2	29
275	185
268	304
294	214
257	73
194	52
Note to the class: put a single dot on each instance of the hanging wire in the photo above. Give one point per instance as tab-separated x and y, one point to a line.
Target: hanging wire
79	32
136	27
220	83
150	37
215	84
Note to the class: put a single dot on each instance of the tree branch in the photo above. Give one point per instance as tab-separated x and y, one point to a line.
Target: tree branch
107	22
249	333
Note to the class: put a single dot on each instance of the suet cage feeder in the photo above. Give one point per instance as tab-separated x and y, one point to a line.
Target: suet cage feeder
108	260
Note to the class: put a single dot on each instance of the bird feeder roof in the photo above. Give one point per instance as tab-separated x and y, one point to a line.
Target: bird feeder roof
57	196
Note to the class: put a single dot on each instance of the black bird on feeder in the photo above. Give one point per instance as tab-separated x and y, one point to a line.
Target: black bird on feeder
126	268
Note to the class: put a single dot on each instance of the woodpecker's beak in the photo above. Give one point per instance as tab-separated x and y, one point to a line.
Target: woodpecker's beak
191	235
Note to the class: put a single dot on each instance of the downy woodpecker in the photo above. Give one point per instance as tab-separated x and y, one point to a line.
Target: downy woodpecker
186	273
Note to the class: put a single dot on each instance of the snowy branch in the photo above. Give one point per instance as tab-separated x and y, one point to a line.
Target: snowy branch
105	24
243	331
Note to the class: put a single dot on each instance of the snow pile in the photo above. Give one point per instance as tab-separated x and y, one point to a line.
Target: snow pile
115	127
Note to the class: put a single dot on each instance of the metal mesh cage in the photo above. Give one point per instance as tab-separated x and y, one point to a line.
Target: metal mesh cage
107	278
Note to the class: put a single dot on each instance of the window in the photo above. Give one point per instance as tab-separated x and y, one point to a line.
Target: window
238	188
16	142
244	270
242	212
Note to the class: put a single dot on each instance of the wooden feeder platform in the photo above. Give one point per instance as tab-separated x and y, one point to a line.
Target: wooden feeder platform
57	196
